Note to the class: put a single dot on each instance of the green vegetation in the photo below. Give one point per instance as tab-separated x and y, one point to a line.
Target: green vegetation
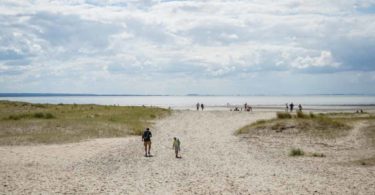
300	114
318	154
283	115
331	125
39	115
296	152
26	123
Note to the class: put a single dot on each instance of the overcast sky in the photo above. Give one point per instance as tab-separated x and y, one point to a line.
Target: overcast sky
171	47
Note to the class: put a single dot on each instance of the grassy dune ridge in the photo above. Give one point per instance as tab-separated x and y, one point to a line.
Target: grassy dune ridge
25	123
330	125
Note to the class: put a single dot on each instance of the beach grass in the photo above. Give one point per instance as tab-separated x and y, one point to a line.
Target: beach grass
369	133
26	123
319	125
316	154
283	115
296	152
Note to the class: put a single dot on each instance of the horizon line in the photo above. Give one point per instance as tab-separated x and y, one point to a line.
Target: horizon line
30	94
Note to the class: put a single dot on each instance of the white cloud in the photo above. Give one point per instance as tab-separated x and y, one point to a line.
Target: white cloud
189	39
324	59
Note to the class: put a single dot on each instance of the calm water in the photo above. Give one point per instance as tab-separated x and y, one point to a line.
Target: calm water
211	101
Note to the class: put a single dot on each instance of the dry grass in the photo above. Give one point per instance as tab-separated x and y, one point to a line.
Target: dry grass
369	133
320	126
24	123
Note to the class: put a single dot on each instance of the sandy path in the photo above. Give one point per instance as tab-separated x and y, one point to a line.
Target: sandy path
214	162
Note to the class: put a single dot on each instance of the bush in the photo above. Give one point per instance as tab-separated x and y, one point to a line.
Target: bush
283	115
312	115
300	114
49	116
38	115
296	152
43	115
13	117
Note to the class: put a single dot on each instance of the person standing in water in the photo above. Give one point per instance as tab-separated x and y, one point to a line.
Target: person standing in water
176	146
291	107
198	106
300	107
202	106
146	138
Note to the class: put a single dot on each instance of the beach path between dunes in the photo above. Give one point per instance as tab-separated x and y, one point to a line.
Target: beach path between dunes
214	161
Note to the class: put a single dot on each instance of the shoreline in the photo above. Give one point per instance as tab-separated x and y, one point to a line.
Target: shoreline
259	107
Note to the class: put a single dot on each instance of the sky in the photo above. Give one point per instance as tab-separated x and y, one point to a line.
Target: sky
221	47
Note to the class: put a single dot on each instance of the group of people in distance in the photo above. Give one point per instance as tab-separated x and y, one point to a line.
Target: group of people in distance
247	108
200	105
290	107
146	138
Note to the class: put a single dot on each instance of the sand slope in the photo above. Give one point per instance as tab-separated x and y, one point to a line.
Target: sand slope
214	162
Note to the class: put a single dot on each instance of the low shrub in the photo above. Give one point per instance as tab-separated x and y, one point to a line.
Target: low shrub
283	115
49	116
300	114
296	152
14	117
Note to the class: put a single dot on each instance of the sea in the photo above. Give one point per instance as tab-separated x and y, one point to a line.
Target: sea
211	102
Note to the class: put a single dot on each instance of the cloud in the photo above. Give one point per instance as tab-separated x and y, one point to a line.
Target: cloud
141	41
324	59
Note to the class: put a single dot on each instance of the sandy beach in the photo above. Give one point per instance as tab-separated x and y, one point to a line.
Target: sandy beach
214	161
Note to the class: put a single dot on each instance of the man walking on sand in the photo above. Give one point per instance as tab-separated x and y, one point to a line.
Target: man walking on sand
146	138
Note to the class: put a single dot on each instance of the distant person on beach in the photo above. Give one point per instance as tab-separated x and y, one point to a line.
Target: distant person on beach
291	107
198	106
300	107
286	107
202	106
146	138
245	106
176	146
249	109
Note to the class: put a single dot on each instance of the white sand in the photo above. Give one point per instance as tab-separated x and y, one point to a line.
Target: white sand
215	161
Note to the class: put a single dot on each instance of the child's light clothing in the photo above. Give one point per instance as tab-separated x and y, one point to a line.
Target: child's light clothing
176	145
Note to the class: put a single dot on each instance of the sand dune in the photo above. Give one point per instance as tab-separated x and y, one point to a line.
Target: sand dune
214	161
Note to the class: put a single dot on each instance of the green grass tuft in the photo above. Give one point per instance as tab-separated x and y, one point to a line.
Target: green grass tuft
296	152
300	114
283	115
318	155
38	115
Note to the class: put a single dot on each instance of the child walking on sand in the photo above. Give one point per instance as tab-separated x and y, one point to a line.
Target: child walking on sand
176	146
